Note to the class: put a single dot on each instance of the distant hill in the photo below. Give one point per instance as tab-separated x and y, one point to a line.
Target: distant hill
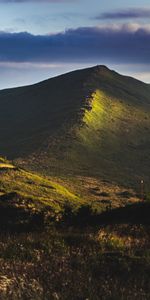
93	121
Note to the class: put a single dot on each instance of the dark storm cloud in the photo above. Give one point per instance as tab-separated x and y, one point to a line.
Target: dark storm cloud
126	14
123	44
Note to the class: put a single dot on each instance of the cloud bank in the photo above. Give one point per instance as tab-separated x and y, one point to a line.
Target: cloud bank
118	44
132	13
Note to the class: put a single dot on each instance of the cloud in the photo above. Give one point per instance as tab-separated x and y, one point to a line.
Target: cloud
117	44
132	13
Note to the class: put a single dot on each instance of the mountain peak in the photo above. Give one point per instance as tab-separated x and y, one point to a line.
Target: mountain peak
101	67
102	70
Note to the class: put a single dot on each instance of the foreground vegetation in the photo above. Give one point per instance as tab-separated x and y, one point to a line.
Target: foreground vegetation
110	262
75	238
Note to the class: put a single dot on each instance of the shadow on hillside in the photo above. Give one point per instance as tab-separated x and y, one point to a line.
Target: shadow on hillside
17	215
138	213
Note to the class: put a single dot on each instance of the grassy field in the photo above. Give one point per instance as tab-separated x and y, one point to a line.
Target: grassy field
71	238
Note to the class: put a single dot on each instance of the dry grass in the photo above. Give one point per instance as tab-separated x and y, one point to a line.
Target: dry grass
111	262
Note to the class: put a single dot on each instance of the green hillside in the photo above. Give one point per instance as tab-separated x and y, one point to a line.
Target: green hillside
42	191
36	191
91	122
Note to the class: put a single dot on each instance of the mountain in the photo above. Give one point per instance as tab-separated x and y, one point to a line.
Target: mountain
92	122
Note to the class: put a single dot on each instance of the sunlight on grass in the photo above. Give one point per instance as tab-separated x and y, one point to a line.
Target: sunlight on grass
35	187
7	166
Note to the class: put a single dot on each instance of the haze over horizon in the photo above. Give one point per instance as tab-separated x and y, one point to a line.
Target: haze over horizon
41	39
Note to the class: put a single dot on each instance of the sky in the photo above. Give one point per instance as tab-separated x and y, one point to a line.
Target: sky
40	39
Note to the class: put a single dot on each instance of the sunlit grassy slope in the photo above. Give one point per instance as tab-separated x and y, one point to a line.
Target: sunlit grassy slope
29	190
114	138
32	190
91	122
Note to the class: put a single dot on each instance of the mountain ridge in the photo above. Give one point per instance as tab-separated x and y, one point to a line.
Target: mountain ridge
92	121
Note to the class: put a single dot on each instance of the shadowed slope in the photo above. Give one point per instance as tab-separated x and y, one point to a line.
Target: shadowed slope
137	213
30	115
